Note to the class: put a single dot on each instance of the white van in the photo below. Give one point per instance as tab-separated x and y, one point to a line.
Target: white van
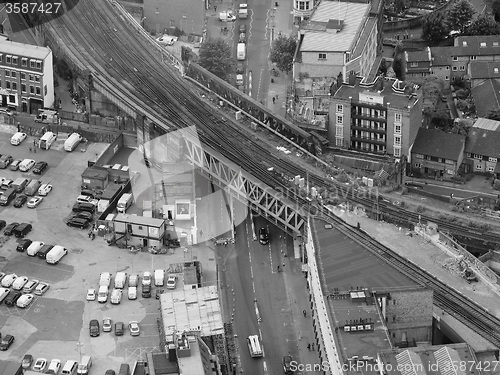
102	296
72	141
69	368
105	279
159	277
17	138
120	280
132	292
4	292
56	254
85	365
124	203
116	296
47	139
34	248
241	53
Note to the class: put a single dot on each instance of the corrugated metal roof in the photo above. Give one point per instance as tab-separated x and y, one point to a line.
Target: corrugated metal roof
21	49
353	16
486	123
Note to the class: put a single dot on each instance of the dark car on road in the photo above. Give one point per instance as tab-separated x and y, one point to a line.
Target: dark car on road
42	253
12	298
83	206
27	361
146	291
119	328
9	231
263	236
40	167
240	69
287	364
94	328
84	215
22	230
23	245
20	201
78	223
243	28
6	342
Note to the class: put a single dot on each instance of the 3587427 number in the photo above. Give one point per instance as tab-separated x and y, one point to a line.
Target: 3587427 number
25	7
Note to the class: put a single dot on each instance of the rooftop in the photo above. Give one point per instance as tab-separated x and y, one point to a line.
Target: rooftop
434	142
22	49
382	90
191	364
441	55
95	173
484	69
192	310
430	360
418	56
486	96
483	142
336	26
135	219
344	264
486	123
478	45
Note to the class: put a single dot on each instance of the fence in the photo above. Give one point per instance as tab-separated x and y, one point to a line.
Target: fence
92	136
73	116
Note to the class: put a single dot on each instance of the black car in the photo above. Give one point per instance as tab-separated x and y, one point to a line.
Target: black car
77	222
20	201
23	245
110	372
263	236
22	230
40	167
27	361
146	291
94	328
84	215
243	28
240	69
42	253
12	298
83	206
6	342
3	223
10	229
119	328
287	364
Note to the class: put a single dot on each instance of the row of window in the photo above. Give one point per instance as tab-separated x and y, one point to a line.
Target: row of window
370	124
479	167
14	60
302	5
13	74
35	90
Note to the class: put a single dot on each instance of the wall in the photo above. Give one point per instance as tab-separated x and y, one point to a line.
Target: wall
410	311
331	67
110	151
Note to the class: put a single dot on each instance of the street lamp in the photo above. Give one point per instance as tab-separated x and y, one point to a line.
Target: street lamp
79	346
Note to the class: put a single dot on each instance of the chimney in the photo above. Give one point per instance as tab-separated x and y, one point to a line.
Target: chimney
352	78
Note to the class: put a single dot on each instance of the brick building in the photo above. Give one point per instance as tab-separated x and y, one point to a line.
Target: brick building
380	117
27	77
482	150
417	64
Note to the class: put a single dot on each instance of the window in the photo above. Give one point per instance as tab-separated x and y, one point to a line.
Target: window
339	142
479	166
45	90
38	91
23	87
39	64
8	59
464	43
340	108
455	68
23	75
15	60
32	78
482	44
322	56
7	84
1	57
446	78
140	227
473	57
14	86
495	44
397	152
491	169
419	156
302	5
477	156
32	64
414	64
455	58
37	78
32	89
340	119
397	117
493	160
7	73
468	154
24	61
397	129
339	131
462	67
495	70
447	67
13	74
397	140
418	165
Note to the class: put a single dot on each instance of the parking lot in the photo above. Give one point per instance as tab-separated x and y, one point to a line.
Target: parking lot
56	324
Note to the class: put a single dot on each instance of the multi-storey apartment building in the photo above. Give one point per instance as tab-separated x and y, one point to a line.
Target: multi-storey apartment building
380	117
26	75
482	151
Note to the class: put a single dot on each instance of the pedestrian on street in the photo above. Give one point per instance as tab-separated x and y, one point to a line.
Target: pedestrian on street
279	268
30	149
304	312
18	126
34	142
274	100
283	265
309	346
215	8
312	347
34	150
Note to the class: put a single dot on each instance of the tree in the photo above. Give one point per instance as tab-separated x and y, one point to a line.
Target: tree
483	25
494	115
282	52
495	9
460	15
434	28
215	56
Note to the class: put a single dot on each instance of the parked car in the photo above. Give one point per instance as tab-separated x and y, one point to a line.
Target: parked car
8	280
20	201
133	280
5	161
119	328
132	292
39	365
91	294
110	372
134	328
94	328
23	244
30	286
10	228
14	166
25	300
27	361
107	325
6	184
82	206
44	190
171	282
35	201
84	215
243	28
22	230
41	288
287	364
26	165
4	292
77	222
34	248
2	275
3	223
146	291
19	283
146	278
54	367
7	341
12	298
40	167
18	138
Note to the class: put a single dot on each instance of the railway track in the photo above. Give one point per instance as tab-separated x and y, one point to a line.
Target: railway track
113	53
